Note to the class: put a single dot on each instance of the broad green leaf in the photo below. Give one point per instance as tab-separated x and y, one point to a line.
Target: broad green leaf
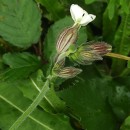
126	124
87	97
13	104
21	65
31	87
20	22
56	11
121	43
119	97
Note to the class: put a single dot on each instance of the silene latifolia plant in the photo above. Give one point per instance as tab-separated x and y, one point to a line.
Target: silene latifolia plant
66	46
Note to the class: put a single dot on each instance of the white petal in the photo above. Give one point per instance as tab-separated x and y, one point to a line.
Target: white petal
87	18
77	12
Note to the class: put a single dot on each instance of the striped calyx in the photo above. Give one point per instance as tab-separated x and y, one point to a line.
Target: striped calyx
87	53
68	72
101	48
66	38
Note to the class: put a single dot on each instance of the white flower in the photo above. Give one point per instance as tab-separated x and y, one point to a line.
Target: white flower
80	16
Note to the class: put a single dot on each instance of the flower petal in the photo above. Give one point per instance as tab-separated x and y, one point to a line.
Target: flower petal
77	12
87	18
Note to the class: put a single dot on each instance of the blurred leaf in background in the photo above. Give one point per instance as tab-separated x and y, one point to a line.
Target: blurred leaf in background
13	104
55	9
21	65
87	97
15	19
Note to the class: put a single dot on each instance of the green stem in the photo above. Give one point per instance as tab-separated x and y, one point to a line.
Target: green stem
32	107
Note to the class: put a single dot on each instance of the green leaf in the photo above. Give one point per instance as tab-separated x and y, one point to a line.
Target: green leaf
87	97
111	8
20	22
12	104
21	65
124	6
111	29
126	124
56	12
119	97
89	1
122	36
121	42
30	88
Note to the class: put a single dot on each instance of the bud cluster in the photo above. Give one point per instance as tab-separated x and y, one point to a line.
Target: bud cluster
65	40
84	54
87	53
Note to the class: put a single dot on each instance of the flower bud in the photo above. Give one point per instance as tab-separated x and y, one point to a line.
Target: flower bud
85	57
80	16
66	38
69	72
90	56
87	53
101	48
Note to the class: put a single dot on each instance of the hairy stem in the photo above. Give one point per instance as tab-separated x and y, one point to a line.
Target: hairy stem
32	107
119	56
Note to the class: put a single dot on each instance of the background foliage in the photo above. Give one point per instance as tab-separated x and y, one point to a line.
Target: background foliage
98	99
